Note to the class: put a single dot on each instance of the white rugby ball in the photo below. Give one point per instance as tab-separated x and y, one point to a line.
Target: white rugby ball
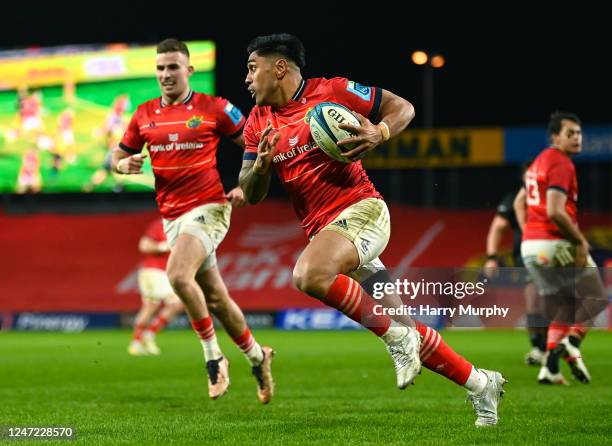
324	120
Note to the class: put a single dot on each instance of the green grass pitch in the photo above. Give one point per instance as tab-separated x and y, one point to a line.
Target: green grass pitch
332	388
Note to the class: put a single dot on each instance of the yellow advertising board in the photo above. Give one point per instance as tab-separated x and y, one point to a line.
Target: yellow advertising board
439	148
120	61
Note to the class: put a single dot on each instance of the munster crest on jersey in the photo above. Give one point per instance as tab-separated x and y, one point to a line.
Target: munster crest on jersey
307	115
194	122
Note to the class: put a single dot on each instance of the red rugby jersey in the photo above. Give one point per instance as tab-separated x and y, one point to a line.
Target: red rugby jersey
182	140
155	231
319	187
552	169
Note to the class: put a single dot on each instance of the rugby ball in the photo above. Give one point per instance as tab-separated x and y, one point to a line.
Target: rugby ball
324	120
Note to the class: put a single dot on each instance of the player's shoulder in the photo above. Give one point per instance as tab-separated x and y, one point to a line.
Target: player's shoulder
328	80
324	82
344	86
216	105
148	106
551	155
541	157
145	110
259	114
325	87
204	99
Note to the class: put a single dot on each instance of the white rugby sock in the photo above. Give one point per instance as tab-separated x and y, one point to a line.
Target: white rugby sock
255	355
393	334
211	348
477	381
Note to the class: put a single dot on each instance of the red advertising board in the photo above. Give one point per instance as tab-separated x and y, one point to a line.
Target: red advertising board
85	263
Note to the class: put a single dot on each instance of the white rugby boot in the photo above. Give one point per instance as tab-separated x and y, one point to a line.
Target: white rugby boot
547	377
485	402
404	345
148	341
572	355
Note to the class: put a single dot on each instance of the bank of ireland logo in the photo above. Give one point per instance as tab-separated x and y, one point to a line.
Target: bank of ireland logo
293	141
194	122
173	137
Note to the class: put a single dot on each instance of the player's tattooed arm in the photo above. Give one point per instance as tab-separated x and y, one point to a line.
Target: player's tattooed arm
255	174
254	185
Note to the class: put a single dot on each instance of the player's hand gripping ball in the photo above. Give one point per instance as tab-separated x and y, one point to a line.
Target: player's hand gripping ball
324	120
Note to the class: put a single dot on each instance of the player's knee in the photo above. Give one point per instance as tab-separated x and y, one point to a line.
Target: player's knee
312	280
213	307
215	293
179	281
176	307
214	302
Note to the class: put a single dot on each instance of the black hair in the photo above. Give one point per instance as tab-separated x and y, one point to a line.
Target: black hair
555	125
285	45
171	46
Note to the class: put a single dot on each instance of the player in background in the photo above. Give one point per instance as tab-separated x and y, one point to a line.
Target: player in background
69	91
182	130
344	216
63	146
115	120
30	113
32	126
14	131
556	252
29	179
65	124
110	133
65	135
159	303
506	219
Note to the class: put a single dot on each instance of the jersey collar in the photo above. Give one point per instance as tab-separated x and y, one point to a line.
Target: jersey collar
300	90
184	101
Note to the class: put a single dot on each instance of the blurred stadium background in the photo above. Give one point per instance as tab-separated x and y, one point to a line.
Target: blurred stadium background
442	183
69	231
